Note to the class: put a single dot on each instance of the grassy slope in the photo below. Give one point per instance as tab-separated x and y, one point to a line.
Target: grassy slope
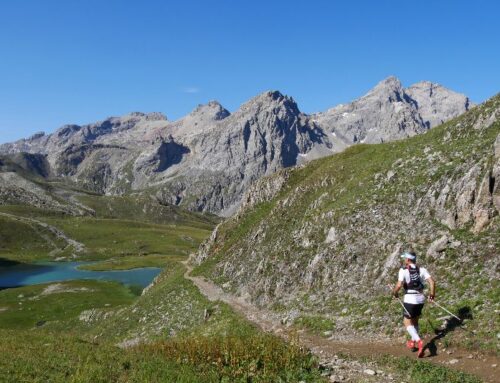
185	347
352	192
131	262
112	227
22	241
139	208
224	348
104	238
24	307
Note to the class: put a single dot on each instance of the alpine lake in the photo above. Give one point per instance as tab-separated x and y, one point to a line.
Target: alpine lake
52	293
22	274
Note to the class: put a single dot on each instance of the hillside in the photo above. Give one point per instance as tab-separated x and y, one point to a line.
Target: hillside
319	243
208	159
132	229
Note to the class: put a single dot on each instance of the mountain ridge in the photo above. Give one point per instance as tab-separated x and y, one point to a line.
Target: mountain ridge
207	159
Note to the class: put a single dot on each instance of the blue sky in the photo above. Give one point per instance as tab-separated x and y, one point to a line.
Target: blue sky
71	61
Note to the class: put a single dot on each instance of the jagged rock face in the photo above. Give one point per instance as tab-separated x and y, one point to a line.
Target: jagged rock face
21	183
264	190
389	112
208	159
383	114
436	104
266	134
33	164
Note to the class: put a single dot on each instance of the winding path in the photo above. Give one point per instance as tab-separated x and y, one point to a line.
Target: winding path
484	366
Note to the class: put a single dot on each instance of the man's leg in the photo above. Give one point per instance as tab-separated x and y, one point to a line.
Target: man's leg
414	323
419	343
411	344
410	327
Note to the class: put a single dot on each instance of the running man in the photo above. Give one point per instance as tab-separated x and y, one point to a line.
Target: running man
411	278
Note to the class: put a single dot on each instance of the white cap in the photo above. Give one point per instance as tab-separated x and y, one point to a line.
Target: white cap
408	256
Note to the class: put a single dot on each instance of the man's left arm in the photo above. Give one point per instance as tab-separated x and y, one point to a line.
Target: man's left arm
396	289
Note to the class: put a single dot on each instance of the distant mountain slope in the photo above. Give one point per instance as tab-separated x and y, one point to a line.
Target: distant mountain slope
206	160
26	180
324	239
389	112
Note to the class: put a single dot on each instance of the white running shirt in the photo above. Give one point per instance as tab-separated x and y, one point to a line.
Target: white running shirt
404	275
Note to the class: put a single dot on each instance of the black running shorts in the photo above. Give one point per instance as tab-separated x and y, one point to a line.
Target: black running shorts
413	310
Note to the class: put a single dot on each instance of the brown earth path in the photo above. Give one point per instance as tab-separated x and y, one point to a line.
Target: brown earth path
327	349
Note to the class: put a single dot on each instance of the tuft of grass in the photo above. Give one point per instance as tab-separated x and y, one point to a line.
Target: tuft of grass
41	357
317	324
425	372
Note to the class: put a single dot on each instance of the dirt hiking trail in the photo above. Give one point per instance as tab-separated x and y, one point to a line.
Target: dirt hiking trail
328	349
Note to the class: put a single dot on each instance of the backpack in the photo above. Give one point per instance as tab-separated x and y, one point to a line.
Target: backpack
415	280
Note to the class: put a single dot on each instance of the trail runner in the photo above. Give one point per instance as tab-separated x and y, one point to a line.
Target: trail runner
411	278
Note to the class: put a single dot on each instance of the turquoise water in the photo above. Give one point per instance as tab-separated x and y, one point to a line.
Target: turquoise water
31	274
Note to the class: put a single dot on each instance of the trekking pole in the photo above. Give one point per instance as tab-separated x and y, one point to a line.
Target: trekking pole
449	312
401	303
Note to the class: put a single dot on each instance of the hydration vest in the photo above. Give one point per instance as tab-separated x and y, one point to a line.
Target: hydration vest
415	281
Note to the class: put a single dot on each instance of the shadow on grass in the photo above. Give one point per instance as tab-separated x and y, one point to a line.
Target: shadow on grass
451	325
4	265
13	273
4	262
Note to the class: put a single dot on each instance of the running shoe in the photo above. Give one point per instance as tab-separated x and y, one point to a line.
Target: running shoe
411	345
420	345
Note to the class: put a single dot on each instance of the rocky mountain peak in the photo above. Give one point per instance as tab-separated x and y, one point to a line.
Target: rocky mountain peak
437	104
67	130
137	114
426	86
156	116
271	100
36	136
274	95
385	113
213	110
389	89
389	82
